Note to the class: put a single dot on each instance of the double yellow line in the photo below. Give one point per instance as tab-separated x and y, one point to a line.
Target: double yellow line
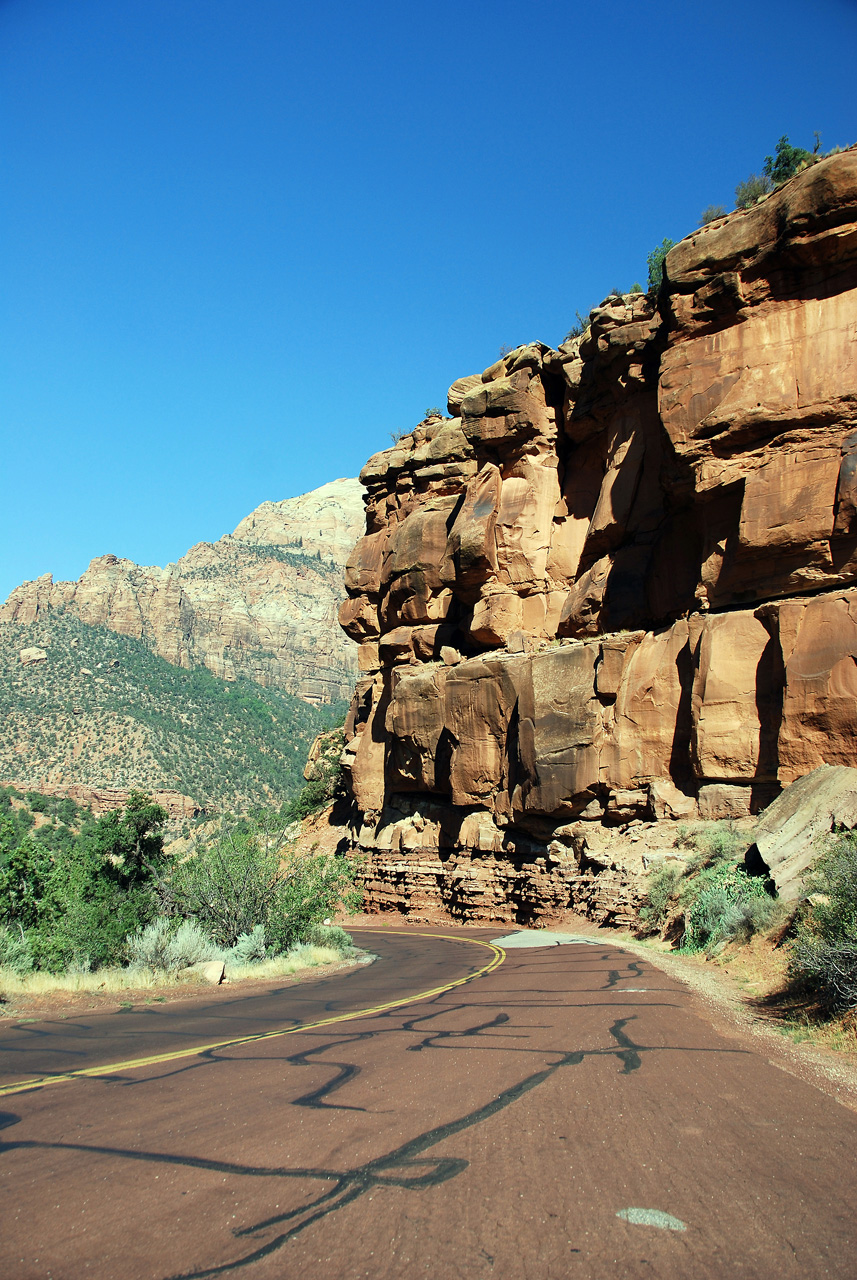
174	1055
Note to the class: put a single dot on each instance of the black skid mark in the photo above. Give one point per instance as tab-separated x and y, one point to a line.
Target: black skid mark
433	1039
382	1171
629	1054
407	1167
615	975
346	1072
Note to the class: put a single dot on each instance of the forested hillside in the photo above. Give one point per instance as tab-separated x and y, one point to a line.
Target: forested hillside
102	709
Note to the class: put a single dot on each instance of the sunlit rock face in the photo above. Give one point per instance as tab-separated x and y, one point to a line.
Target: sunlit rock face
261	602
618	583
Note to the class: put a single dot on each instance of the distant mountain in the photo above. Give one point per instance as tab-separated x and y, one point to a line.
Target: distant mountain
260	603
82	706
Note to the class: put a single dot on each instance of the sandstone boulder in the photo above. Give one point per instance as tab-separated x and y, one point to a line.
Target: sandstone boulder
31	654
211	971
791	832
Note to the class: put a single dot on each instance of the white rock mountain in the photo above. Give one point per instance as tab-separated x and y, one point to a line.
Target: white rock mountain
260	602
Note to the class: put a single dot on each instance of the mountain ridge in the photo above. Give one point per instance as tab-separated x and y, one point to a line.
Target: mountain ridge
87	707
260	602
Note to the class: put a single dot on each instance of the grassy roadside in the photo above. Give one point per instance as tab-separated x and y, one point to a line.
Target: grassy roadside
67	993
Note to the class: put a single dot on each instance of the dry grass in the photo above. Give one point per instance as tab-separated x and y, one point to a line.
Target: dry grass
304	957
107	980
838	1034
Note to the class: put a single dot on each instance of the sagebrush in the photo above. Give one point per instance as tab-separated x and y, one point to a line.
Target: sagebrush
824	954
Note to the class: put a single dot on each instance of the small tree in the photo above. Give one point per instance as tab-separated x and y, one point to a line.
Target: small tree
786	161
132	842
325	782
578	329
655	264
253	876
78	896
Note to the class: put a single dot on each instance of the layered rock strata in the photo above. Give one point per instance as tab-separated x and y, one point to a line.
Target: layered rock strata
261	602
616	584
105	799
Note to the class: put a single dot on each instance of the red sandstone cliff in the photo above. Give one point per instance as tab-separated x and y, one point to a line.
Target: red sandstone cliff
620	581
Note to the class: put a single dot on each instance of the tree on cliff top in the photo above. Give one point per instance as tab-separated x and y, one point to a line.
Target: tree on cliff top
655	264
787	159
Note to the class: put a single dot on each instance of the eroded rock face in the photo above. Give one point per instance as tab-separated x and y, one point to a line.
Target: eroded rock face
105	799
796	828
262	602
619	582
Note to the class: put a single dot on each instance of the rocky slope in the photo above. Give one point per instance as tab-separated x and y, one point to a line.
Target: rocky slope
90	713
617	584
260	602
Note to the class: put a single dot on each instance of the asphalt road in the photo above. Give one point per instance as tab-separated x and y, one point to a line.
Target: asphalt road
566	1112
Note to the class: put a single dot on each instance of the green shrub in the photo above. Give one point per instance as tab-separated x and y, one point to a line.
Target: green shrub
655	264
719	842
719	906
87	920
752	189
824	954
321	935
251	947
827	968
147	948
711	213
313	886
661	885
579	328
251	876
15	951
327	784
167	946
232	884
77	895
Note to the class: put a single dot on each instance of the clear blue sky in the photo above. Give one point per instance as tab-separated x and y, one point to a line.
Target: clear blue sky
244	240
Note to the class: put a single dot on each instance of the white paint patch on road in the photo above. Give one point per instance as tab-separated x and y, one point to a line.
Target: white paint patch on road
652	1218
545	938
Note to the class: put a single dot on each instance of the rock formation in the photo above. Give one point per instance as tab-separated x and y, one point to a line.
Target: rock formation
105	799
616	585
260	602
796	828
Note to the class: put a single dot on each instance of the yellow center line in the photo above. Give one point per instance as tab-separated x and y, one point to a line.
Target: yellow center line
41	1082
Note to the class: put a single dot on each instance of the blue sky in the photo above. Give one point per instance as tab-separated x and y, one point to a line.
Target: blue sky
242	241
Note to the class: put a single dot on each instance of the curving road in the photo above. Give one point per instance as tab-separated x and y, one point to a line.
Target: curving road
452	1110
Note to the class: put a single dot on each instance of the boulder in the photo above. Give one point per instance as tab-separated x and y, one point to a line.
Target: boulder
213	971
791	832
30	655
666	801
